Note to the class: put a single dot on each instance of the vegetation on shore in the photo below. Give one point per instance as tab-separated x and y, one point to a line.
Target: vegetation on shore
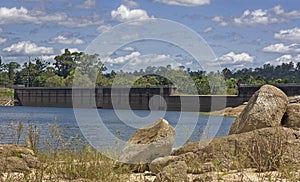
59	159
89	69
6	97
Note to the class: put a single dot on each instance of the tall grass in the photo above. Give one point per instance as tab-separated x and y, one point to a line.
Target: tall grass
63	160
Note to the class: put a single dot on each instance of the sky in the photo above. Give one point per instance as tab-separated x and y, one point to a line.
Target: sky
240	33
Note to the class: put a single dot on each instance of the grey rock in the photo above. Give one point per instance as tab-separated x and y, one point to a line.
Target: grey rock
176	171
148	143
292	116
265	109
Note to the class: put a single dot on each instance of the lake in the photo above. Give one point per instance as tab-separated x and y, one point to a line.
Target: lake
104	127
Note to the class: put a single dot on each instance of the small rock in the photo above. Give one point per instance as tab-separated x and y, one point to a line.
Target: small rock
292	116
158	164
265	109
176	171
189	147
203	178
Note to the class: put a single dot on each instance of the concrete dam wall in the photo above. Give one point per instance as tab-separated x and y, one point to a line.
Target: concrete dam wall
134	98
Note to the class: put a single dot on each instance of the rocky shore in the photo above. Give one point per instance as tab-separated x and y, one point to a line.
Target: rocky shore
263	145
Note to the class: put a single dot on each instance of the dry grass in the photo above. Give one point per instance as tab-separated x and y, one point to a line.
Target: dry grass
62	160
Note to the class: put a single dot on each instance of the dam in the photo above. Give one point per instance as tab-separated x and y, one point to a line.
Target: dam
135	98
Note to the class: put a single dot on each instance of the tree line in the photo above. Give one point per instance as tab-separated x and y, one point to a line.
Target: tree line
86	70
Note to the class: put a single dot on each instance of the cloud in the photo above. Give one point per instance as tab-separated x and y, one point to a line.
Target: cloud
70	49
123	14
47	57
23	16
1	30
65	39
281	48
292	35
104	28
232	59
26	48
260	17
2	40
128	49
287	58
184	2
220	20
129	37
136	61
122	59
208	29
87	4
130	3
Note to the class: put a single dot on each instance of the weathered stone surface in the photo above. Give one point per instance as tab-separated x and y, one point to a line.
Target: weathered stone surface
291	118
265	109
14	158
148	143
188	147
294	99
158	164
266	145
176	171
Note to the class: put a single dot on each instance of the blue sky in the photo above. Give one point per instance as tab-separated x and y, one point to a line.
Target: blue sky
241	33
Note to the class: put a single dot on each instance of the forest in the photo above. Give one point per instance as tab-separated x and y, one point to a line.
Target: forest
88	70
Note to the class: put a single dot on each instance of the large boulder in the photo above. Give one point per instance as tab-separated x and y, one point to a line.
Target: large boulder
148	143
265	109
291	118
263	149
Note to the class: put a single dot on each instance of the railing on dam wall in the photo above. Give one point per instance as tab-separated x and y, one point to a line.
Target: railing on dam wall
135	98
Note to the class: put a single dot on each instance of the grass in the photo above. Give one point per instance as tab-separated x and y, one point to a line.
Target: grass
62	160
6	96
270	158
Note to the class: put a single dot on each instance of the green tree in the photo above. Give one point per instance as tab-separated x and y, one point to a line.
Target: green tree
90	65
11	69
55	81
65	63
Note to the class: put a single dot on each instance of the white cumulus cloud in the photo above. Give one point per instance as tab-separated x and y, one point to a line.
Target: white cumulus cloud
26	48
2	40
62	39
232	59
287	58
260	17
281	48
184	2
123	14
122	59
23	15
292	35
